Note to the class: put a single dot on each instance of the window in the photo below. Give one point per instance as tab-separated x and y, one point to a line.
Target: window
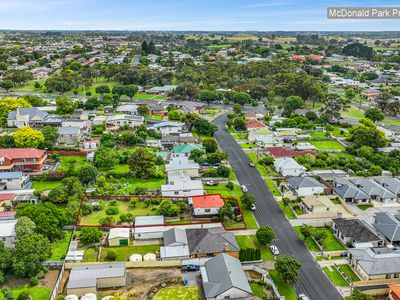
207	210
176	193
387	276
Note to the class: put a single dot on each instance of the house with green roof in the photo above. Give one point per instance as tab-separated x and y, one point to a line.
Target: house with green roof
185	149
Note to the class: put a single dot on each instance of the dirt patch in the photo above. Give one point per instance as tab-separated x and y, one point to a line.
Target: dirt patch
254	275
49	280
139	280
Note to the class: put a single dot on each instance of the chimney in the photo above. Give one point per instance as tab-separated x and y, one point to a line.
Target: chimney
226	247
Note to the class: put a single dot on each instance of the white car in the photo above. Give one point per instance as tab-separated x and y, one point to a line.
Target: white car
302	297
253	207
244	189
211	182
274	249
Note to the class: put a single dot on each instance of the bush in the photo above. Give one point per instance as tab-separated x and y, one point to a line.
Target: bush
230	185
107	221
249	254
111	255
24	295
33	281
112	211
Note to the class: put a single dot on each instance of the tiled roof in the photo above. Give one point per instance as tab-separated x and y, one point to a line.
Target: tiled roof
288	152
207	201
15	153
253	123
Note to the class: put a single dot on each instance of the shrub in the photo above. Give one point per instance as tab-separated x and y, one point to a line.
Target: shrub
24	295
230	185
112	211
33	281
111	255
113	203
249	254
107	221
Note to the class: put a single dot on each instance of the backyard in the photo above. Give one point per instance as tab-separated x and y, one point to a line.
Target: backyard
37	292
123	252
186	293
41	186
327	145
72	163
250	241
59	248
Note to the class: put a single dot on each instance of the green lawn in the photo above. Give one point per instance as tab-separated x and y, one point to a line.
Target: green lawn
41	186
317	134
330	243
349	273
364	206
260	168
247	146
59	248
250	241
133	183
287	211
37	292
120	168
272	187
392	122
335	276
258	290
327	145
352	113
73	162
336	201
283	288
182	293
90	255
123	252
339	132
148	96
123	207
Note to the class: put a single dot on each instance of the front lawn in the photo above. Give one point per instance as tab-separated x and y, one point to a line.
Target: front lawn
330	243
247	146
59	248
272	187
123	252
72	162
283	288
335	276
37	292
327	145
349	273
184	293
364	206
287	211
250	241
41	186
311	245
260	168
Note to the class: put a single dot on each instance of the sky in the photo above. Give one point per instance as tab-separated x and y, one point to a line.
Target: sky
182	15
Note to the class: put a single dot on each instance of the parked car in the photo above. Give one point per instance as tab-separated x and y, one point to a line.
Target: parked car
253	207
252	165
274	249
244	188
45	167
190	268
211	182
204	163
302	297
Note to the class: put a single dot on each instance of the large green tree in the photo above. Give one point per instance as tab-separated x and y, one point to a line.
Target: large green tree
27	137
265	235
65	105
24	226
105	157
288	268
142	162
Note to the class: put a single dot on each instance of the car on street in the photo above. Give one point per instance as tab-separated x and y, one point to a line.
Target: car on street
274	249
252	165
244	188
253	207
302	297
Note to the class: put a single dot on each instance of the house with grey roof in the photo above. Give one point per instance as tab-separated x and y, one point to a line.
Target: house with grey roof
224	278
390	183
7	232
305	186
287	166
29	116
175	244
183	186
375	263
122	120
69	135
349	192
89	278
14	181
388	225
167	127
374	190
355	232
179	166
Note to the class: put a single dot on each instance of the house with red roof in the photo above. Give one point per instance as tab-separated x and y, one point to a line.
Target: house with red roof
288	152
394	293
21	159
207	205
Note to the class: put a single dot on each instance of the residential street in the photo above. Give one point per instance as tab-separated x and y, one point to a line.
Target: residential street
314	283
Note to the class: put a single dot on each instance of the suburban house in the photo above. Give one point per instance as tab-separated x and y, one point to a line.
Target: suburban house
278	152
182	166
7	232
161	90
30	116
205	242
149	227
14	197
319	206
305	186
394	292
128	108
89	278
388	225
257	129
182	186
175	244
349	192
375	263
224	278
69	135
267	141
118	236
168	141
287	166
327	174
122	120
207	205
185	149
355	232
14	181
374	190
20	159
167	127
390	183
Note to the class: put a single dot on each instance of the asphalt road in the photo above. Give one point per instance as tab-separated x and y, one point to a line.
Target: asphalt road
314	283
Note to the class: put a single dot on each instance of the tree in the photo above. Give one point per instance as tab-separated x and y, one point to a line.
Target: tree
24	226
65	105
292	103
167	208
6	84
288	268
226	211
306	231
143	163
143	109
209	96
210	145
265	235
374	114
26	137
358	50
366	134
359	295
5	261
130	90
29	254
87	173
248	200
242	98
105	157
11	104
50	134
7	141
7	293
239	124
24	295
90	235
70	188
237	108
102	89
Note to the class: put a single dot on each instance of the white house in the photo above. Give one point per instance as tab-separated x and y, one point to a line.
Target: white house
179	166
14	181
287	166
167	128
207	205
182	186
305	186
7	232
118	236
121	120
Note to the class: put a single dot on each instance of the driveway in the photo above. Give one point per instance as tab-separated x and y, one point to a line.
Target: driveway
314	283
